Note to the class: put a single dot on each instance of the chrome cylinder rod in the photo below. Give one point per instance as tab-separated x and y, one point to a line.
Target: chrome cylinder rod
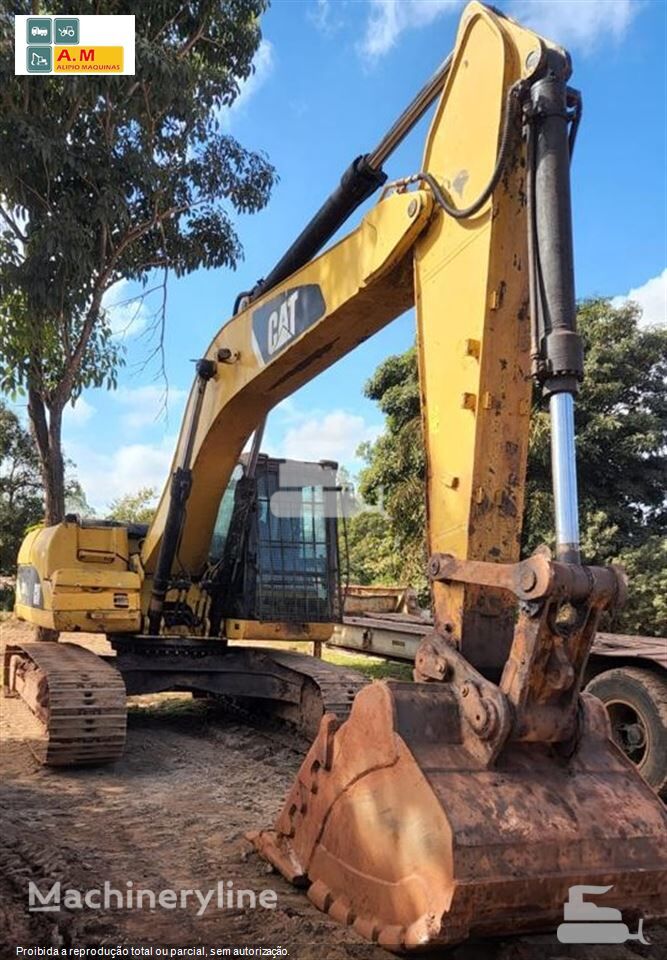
411	115
564	472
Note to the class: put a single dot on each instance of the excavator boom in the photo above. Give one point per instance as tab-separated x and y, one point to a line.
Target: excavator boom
473	800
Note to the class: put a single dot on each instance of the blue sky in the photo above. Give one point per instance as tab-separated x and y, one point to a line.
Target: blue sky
331	76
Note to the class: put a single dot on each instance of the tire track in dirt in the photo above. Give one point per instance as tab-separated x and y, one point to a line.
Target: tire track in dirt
172	814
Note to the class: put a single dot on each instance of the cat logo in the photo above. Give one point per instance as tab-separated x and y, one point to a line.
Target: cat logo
282	319
281	324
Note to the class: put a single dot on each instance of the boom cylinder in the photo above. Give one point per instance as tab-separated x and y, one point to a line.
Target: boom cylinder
561	350
179	491
359	182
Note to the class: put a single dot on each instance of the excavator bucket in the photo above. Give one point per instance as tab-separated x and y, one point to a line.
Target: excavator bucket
471	802
397	829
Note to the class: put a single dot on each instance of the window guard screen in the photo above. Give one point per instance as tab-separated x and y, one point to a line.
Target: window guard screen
296	557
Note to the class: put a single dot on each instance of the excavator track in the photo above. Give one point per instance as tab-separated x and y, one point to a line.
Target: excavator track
294	686
78	699
337	687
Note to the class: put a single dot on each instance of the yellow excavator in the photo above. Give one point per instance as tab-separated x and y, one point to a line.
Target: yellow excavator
471	801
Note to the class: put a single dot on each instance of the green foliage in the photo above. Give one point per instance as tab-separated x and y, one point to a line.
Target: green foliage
76	500
646	568
22	489
104	178
394	477
372	667
369	540
34	351
21	500
371	549
117	175
136	507
621	423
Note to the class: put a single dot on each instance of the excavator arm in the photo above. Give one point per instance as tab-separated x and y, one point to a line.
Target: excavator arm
469	802
491	787
467	274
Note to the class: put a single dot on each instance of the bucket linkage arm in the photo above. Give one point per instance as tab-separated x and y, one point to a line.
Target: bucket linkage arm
537	698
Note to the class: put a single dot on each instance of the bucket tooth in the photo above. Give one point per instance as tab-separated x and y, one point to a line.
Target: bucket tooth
401	832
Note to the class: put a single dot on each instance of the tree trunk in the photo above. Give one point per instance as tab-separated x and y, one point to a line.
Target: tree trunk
55	484
49	446
48	439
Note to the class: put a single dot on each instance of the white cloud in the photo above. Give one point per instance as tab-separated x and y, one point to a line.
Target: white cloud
651	297
264	64
146	404
388	19
321	14
288	411
584	24
127	312
329	436
105	477
79	414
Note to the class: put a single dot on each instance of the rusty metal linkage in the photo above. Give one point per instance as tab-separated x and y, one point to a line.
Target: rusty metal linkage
560	606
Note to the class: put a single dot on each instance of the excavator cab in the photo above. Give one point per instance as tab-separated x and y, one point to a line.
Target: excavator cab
473	800
273	558
274	547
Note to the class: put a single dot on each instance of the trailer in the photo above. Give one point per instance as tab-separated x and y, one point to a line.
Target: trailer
628	673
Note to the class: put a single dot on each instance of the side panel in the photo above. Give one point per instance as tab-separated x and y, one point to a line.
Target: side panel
257	630
72	578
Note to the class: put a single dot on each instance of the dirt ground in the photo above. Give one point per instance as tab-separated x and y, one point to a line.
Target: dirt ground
172	814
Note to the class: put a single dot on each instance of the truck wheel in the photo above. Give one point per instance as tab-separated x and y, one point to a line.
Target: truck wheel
636	701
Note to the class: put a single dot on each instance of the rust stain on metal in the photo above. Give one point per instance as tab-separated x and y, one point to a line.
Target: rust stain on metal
414	840
474	806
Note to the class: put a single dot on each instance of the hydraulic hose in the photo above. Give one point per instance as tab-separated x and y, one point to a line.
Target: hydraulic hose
464	213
